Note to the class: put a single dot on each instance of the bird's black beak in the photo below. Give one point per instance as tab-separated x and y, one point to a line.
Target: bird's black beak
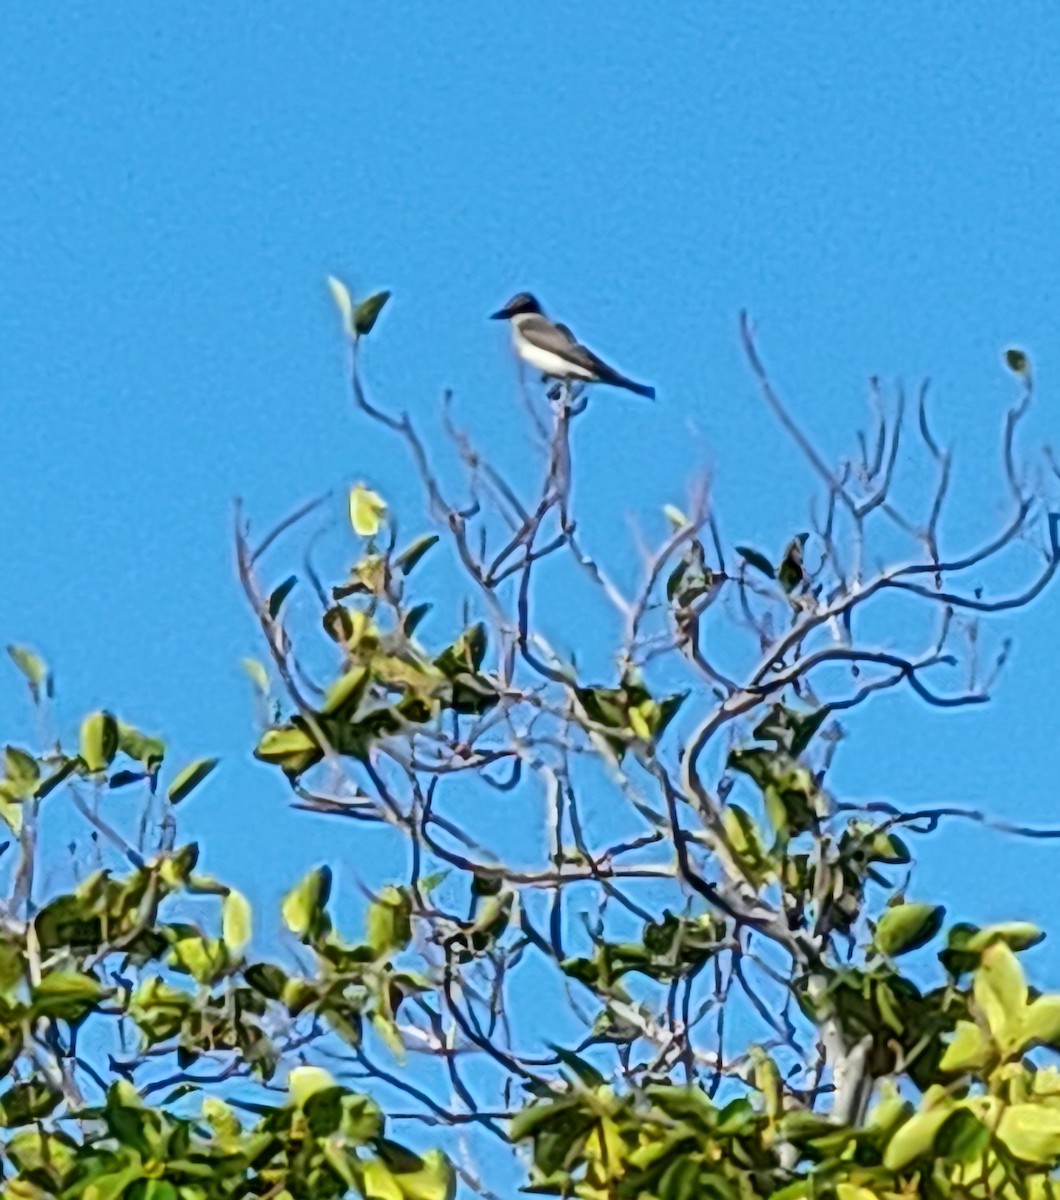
502	314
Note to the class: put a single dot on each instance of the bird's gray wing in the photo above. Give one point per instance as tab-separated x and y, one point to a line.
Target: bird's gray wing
557	339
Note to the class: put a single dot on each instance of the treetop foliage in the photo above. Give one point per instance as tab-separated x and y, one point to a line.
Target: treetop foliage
710	975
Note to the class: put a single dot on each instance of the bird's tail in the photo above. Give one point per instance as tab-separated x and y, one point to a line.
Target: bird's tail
609	375
642	389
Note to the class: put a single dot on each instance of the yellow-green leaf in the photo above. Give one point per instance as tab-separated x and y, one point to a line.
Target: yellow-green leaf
22	771
204	959
258	674
391	1036
1017	935
1041	1023
366	510
304	903
340	293
906	927
347	690
639	725
68	995
1031	1132
388	921
675	516
1000	991
236	922
303	1082
11	815
435	1179
282	743
915	1137
99	740
288	747
970	1050
190	778
223	1121
379	1183
33	667
150	751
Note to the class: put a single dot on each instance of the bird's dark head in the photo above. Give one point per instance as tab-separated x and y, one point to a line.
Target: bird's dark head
522	303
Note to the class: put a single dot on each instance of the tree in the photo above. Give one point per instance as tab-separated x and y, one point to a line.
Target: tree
694	983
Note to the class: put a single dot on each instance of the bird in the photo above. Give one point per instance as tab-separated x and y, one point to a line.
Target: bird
553	350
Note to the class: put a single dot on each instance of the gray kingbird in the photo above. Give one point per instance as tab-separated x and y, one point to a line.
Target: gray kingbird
553	350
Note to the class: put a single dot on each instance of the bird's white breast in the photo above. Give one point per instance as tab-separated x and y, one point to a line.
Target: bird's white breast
545	361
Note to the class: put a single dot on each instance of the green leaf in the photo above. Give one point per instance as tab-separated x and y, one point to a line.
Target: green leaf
413	617
259	676
915	1137
204	959
963	1138
638	725
303	906
111	1185
366	510
346	692
434	1180
236	922
408	558
1017	361
465	655
279	595
1031	1132
35	670
1000	991
323	1110
843	1191
790	573
190	778
149	751
288	747
32	1150
338	1157
582	1069
303	1082
27	1102
377	1183
756	560
906	927
388	925
367	313
99	741
675	516
1041	1023
340	293
122	779
11	815
965	943
22	773
970	1050
266	978
790	730
157	1189
1017	935
66	995
389	1034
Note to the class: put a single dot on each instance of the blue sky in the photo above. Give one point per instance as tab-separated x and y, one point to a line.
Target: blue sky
876	185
